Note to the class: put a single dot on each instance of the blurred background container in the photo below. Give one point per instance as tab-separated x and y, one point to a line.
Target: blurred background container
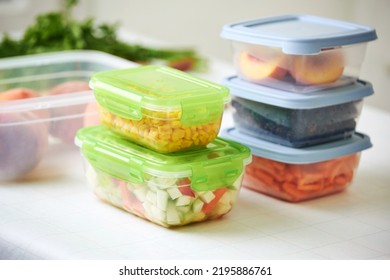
198	24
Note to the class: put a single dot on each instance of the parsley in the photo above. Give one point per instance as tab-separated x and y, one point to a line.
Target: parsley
58	31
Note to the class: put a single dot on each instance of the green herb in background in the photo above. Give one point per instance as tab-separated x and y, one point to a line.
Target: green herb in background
58	31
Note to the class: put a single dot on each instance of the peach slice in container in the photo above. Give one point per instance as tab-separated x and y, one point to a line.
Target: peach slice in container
257	68
310	52
296	175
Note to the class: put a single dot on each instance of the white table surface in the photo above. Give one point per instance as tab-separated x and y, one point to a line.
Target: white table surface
58	217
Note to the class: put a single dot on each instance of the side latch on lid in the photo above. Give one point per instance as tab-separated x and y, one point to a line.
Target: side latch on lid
208	177
201	110
114	163
118	101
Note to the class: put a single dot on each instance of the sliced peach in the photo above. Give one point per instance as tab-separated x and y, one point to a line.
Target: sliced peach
255	68
67	120
323	68
91	115
17	93
23	144
23	93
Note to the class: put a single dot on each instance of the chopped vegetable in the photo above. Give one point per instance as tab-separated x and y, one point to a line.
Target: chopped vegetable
218	193
165	204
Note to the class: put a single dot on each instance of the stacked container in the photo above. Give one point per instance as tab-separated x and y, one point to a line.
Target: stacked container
157	154
297	98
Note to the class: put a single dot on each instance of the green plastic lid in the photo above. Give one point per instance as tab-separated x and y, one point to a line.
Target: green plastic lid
219	164
127	92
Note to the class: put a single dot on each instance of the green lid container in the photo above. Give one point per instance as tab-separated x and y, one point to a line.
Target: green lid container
141	102
191	178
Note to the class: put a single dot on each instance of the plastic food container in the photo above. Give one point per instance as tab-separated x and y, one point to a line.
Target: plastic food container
300	174
168	189
298	52
297	120
161	108
44	100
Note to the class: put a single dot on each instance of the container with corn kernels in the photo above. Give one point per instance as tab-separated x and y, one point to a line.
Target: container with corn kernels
161	108
296	175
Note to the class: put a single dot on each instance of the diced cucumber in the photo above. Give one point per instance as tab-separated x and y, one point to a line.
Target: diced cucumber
140	193
225	199
151	197
162	199
174	193
197	217
161	183
184	209
207	196
147	206
183	200
172	215
197	206
222	209
157	213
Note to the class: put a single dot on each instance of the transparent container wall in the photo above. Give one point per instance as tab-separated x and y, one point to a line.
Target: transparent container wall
269	66
44	77
162	131
44	102
168	202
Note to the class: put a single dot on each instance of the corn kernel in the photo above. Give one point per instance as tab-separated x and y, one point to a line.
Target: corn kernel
162	131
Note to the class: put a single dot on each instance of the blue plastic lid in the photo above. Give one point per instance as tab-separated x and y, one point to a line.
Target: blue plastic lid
357	143
294	100
299	34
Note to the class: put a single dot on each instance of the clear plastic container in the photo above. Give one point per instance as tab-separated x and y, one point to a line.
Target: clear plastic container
297	120
167	189
296	175
161	108
298	53
44	100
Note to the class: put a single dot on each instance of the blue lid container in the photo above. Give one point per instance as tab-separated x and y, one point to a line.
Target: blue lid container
297	120
298	52
295	175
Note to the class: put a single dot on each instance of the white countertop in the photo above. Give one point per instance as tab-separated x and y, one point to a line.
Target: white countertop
60	218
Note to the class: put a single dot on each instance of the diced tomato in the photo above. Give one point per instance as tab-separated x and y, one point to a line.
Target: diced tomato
184	182
186	190
130	201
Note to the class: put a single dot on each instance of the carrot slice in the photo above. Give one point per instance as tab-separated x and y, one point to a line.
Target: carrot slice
310	187
186	190
208	207
264	176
